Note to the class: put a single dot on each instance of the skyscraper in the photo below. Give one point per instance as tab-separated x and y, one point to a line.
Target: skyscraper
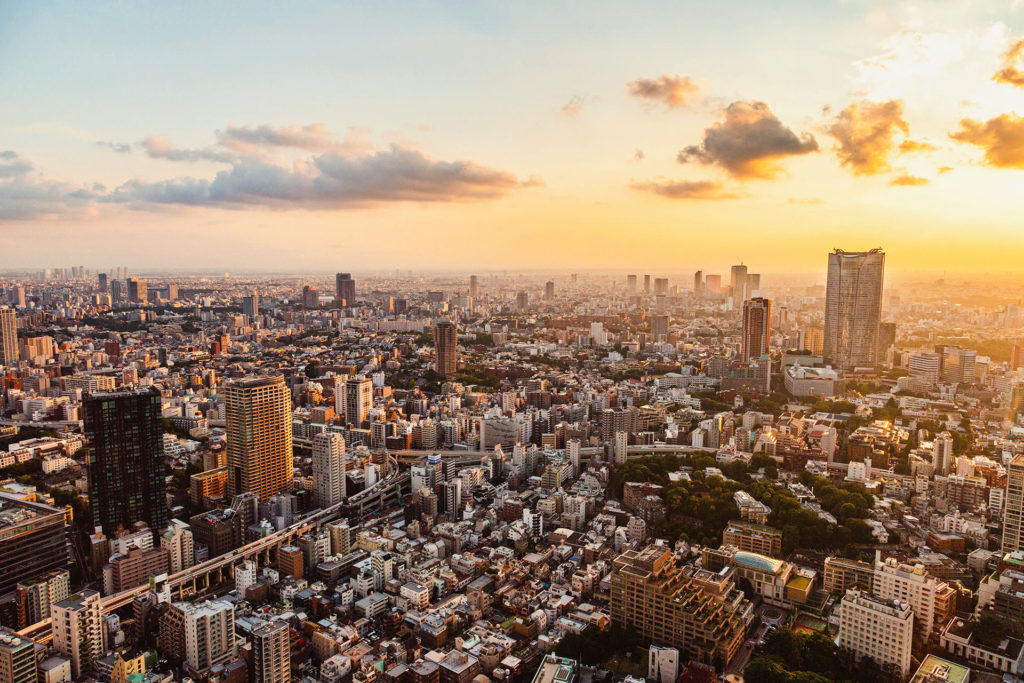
138	290
1013	506
698	283
251	305
103	283
8	337
549	291
259	436
853	307
757	316
126	460
445	341
358	399
659	327
631	284
474	286
738	284
344	290
328	468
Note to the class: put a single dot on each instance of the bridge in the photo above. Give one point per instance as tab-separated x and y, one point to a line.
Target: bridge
388	491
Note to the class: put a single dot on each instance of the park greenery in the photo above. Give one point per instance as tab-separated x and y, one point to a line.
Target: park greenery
699	510
811	658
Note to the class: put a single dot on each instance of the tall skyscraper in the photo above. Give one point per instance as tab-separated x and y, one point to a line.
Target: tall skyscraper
853	307
647	284
328	468
631	284
713	283
445	341
271	653
126	460
698	283
8	337
757	316
358	399
549	291
344	290
738	285
659	327
1013	506
116	291
474	286
259	435
251	305
103	283
138	290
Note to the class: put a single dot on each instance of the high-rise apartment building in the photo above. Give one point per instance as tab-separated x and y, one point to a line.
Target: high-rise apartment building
474	286
445	342
17	658
358	399
328	468
1013	506
126	460
207	633
877	628
653	596
549	291
659	327
757	321
631	284
37	595
271	653
259	436
103	283
344	290
698	283
932	601
8	337
853	307
77	625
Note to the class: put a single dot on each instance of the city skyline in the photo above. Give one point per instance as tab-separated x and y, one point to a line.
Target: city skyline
899	132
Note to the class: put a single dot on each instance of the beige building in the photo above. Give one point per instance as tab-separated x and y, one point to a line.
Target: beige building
753	538
77	631
259	436
932	601
880	629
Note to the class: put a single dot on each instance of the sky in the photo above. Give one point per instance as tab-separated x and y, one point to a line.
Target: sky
455	135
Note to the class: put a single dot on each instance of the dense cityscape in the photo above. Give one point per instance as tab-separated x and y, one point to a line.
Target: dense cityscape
457	478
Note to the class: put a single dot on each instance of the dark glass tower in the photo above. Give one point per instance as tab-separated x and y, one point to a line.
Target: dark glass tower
126	462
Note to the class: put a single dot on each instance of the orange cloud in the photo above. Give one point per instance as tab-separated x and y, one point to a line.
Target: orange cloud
749	143
672	89
1013	66
1001	137
907	180
684	189
909	146
865	133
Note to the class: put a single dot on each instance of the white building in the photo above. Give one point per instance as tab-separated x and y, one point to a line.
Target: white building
663	664
328	468
209	633
911	585
877	628
245	576
78	632
177	539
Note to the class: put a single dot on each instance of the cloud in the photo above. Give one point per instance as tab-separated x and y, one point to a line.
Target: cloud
329	180
12	166
907	180
671	89
909	146
909	59
158	147
119	147
749	143
944	169
313	137
1012	71
684	189
865	132
638	155
575	106
1001	137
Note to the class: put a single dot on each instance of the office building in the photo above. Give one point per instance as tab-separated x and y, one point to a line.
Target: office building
1013	506
259	436
138	290
310	298
328	468
853	307
757	320
8	337
344	290
549	291
958	365
653	596
877	628
77	626
251	305
126	460
631	284
271	653
738	285
33	541
358	399
659	327
102	282
474	287
445	342
925	367
17	658
698	283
